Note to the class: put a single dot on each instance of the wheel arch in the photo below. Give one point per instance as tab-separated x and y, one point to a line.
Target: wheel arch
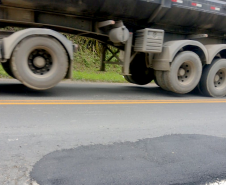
9	43
162	60
214	50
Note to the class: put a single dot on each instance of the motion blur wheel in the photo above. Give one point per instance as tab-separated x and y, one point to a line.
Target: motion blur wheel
128	78
156	82
140	73
39	62
213	80
185	73
160	81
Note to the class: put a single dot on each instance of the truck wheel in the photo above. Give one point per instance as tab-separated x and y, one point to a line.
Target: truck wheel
213	80
39	62
7	68
160	80
128	79
185	73
156	82
140	74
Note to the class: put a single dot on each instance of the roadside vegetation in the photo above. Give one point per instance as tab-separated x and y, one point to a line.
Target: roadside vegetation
86	63
3	74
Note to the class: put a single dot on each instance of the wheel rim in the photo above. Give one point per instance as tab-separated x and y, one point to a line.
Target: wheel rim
220	79
40	61
185	73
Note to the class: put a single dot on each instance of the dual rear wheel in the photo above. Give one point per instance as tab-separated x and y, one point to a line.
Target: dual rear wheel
187	73
213	81
184	74
183	77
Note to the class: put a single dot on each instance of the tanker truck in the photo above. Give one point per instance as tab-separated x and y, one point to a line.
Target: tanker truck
180	44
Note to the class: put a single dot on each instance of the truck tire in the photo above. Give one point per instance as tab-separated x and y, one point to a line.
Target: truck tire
140	74
185	73
39	62
7	68
128	79
156	82
159	75
213	80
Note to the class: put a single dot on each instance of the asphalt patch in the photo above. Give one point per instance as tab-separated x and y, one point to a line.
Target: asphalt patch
172	159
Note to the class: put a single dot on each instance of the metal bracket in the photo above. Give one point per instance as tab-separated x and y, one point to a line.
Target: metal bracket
127	55
113	55
105	23
149	60
125	62
164	4
197	36
103	56
108	61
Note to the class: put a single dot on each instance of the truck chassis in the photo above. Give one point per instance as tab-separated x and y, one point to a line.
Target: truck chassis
180	44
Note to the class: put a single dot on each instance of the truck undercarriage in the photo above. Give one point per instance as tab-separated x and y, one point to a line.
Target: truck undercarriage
178	43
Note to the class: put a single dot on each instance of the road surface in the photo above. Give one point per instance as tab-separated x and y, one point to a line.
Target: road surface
97	133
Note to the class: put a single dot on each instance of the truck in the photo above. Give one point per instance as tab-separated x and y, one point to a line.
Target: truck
180	44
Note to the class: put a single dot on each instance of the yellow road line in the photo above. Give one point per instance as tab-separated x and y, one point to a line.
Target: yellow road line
178	100
105	102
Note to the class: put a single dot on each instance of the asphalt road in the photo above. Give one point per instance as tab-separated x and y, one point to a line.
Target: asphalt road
90	133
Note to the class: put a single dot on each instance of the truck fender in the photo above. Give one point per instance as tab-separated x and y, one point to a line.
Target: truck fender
213	50
9	43
162	60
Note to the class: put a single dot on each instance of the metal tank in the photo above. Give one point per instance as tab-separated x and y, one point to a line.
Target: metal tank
170	15
111	8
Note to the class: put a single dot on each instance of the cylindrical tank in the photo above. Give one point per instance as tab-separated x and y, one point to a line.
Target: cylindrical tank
139	11
116	8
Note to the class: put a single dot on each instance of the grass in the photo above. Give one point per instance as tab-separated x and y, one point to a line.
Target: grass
87	65
91	76
98	76
3	74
